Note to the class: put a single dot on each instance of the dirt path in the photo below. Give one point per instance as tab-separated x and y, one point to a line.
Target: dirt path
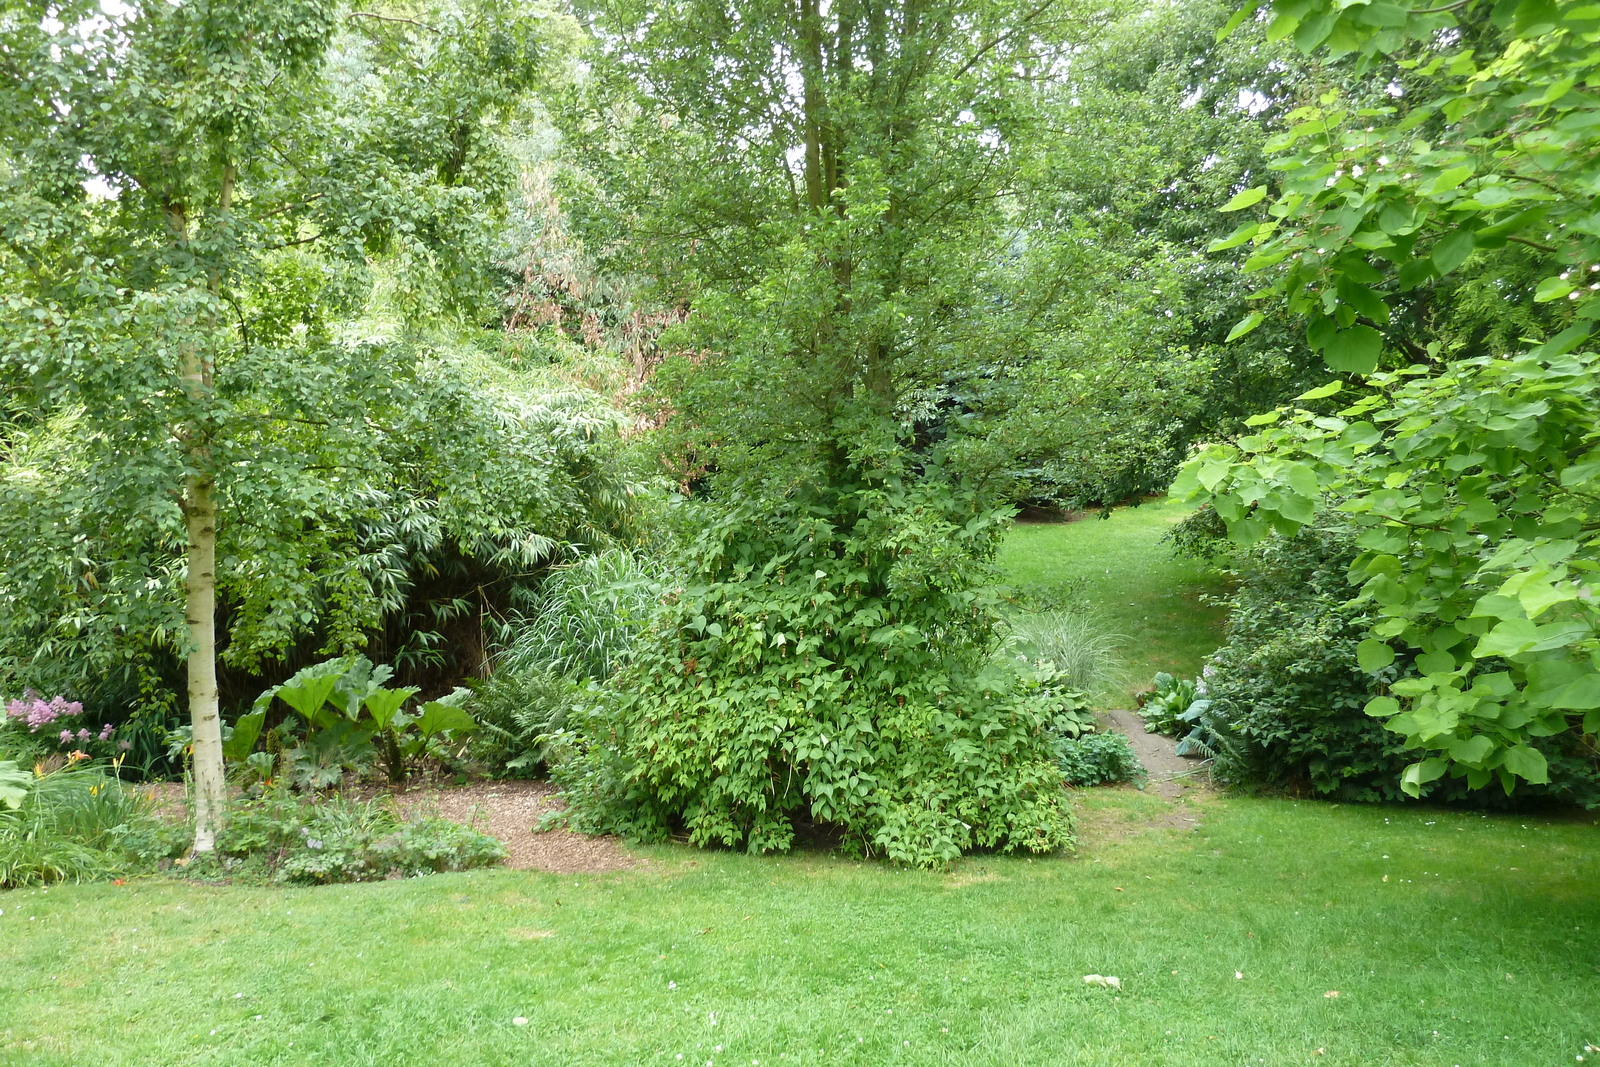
1172	776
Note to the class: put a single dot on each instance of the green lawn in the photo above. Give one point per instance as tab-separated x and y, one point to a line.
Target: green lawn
1123	571
1477	949
1279	932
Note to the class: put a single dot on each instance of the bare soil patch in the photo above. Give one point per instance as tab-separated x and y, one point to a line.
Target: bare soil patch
1171	776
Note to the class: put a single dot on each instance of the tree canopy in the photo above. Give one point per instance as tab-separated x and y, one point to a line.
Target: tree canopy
193	196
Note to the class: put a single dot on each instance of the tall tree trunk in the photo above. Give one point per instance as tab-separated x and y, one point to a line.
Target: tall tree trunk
200	612
200	585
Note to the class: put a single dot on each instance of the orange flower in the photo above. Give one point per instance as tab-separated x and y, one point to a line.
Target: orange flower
77	755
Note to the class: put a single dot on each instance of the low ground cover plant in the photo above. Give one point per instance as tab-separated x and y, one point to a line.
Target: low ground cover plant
1097	759
320	840
78	822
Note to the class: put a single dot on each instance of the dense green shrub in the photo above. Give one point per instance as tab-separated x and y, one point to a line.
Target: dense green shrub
586	618
1097	759
831	658
1201	534
1287	682
519	714
1068	711
579	630
1286	693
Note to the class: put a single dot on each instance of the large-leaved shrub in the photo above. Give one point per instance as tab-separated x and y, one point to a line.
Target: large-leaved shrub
1287	692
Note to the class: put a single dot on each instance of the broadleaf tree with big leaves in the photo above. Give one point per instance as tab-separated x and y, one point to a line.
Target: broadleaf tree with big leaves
823	186
1473	474
162	164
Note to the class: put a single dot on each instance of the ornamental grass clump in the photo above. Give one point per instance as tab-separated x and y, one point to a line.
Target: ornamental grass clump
70	821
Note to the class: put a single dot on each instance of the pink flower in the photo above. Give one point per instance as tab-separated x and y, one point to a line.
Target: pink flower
105	732
36	712
66	737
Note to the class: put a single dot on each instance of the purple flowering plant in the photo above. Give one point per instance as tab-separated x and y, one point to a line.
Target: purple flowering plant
59	720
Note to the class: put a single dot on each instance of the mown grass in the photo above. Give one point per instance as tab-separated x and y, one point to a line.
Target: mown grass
1121	572
1449	938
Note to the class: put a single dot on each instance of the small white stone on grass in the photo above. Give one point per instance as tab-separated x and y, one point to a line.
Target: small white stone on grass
521	1020
1109	981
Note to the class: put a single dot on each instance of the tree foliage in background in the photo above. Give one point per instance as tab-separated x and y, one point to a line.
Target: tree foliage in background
1471	477
1115	361
192	196
822	186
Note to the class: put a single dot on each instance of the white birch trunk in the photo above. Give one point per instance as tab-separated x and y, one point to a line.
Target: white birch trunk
200	588
200	612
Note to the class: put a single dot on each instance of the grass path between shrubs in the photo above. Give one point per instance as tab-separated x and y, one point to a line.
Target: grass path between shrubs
1278	933
1128	579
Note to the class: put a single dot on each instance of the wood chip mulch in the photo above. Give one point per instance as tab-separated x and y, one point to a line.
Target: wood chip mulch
509	810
